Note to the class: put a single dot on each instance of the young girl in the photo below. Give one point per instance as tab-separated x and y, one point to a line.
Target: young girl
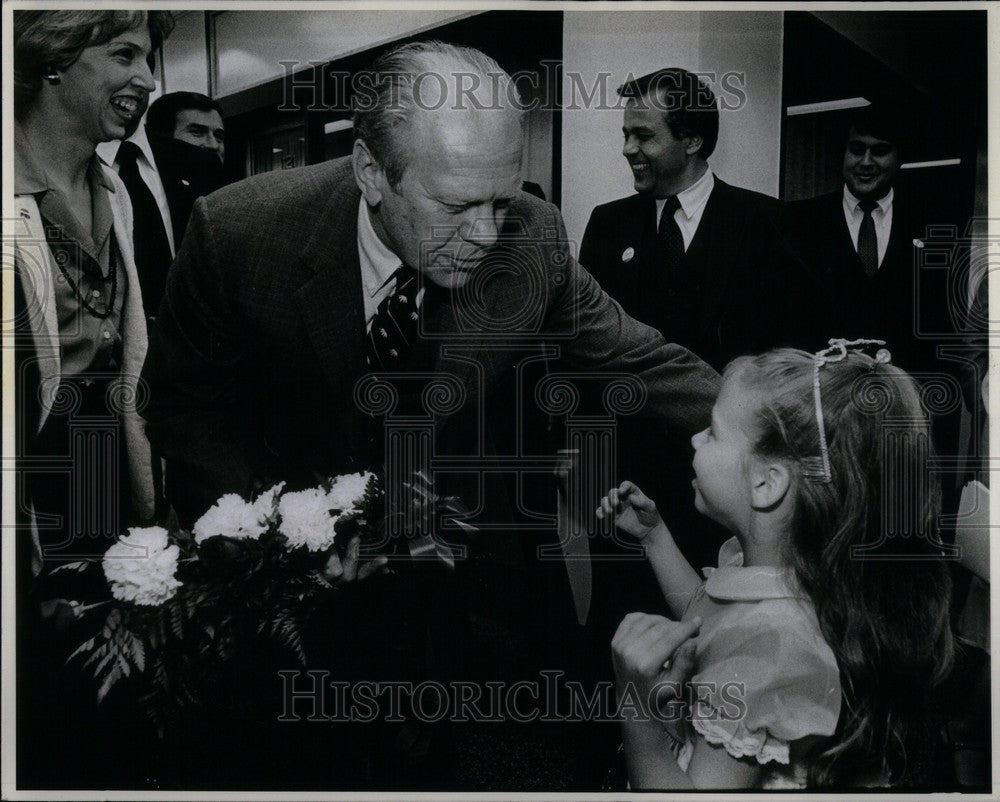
825	625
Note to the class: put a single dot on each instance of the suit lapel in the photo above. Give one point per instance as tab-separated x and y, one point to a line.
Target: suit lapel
641	235
722	234
331	298
35	274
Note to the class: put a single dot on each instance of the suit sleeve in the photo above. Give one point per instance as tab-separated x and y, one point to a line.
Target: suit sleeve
588	246
680	388
193	373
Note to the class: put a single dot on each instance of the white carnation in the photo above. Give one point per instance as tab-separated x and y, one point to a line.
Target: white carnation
230	516
266	505
306	519
348	490
140	567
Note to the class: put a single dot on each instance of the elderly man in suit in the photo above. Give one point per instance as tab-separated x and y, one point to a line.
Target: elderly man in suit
271	306
699	260
417	257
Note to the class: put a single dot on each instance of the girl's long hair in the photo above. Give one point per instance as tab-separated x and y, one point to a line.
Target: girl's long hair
863	544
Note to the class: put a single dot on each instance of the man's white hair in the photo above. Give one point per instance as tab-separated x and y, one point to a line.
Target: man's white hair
425	77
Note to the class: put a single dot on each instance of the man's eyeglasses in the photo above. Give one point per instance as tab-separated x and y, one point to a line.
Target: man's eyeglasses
878	149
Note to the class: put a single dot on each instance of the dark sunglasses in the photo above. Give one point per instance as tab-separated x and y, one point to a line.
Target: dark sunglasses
878	149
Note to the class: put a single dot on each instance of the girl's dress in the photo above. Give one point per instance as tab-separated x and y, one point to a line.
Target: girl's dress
766	683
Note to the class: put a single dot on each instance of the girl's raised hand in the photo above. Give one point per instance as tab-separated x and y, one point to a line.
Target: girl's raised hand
653	657
635	513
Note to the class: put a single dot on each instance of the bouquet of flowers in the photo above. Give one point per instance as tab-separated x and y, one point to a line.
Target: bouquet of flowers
184	602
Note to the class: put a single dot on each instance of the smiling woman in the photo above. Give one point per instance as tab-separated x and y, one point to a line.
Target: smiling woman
81	78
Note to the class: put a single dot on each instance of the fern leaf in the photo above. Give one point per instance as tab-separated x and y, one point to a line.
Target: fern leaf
86	646
80	565
177	622
139	654
109	682
123	664
97	655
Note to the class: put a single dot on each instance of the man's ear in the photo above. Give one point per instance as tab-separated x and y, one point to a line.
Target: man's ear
770	484
693	145
367	173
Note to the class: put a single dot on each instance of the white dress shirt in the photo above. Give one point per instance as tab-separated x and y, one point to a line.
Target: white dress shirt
108	151
881	215
378	263
693	201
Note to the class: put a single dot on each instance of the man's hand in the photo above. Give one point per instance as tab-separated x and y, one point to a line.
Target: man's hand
652	653
633	511
338	572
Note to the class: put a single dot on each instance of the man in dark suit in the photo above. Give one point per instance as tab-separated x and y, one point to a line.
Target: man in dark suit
279	302
696	258
164	174
689	254
860	247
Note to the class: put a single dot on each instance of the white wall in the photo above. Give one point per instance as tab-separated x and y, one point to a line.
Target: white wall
637	42
185	64
252	44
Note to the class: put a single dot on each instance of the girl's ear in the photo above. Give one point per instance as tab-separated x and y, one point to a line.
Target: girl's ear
367	173
770	482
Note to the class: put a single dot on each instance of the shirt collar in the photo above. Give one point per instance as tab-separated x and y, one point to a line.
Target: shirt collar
694	198
851	201
378	262
732	582
30	177
108	151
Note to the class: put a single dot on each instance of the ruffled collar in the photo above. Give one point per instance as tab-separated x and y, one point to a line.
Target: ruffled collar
732	582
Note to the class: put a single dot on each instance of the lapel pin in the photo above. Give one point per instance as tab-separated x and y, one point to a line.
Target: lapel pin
918	243
628	253
185	182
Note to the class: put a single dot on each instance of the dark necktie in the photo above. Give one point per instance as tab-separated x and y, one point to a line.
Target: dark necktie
867	240
394	327
670	233
152	248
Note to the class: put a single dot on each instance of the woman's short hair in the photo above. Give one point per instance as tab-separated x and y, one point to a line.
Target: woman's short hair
55	39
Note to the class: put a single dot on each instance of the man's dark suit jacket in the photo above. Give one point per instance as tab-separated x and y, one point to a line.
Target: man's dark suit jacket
746	289
744	285
187	172
260	339
904	304
849	304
